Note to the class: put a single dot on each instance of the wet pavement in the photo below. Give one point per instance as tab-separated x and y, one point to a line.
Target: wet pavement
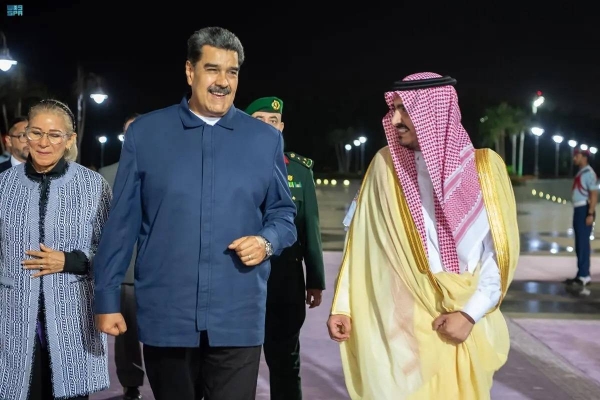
545	225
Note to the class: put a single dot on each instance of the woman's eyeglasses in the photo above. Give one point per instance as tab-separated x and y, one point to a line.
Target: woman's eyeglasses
37	134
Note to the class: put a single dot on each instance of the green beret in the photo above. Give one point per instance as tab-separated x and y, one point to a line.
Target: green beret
266	104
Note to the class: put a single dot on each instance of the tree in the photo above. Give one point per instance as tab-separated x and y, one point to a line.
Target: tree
500	121
339	138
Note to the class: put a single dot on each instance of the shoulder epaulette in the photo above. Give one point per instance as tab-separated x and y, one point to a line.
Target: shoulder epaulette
307	162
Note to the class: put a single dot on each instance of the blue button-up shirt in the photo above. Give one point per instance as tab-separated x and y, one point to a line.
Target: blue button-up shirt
185	190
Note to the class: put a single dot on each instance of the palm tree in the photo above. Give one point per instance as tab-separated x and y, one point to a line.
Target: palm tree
338	138
500	121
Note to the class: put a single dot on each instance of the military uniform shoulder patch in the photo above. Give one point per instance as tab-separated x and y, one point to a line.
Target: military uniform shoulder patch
307	162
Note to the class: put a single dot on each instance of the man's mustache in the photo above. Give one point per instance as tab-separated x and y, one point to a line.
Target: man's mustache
219	90
398	126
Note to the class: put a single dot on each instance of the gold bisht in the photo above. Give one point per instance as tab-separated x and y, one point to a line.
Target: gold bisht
385	286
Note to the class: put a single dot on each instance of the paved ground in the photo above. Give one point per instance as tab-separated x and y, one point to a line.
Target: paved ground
555	353
554	358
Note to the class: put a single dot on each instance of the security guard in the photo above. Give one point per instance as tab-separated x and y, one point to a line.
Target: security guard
287	292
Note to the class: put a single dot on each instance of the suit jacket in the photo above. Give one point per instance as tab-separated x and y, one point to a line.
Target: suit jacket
5	165
109	173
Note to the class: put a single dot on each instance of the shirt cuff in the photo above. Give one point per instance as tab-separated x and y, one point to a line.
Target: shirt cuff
477	306
76	262
108	301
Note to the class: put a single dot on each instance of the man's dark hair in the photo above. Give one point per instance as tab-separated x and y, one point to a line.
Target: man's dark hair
217	37
16	120
13	122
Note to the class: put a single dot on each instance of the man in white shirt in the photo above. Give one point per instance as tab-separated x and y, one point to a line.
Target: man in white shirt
584	199
431	250
16	144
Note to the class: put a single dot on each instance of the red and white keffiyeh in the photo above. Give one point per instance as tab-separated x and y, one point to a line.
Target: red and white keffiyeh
450	158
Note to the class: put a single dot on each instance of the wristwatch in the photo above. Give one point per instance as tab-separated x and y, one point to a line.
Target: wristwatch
268	247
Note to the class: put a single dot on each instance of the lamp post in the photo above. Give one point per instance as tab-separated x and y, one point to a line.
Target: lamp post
572	144
357	145
558	140
348	148
593	150
102	140
6	61
121	138
362	141
86	83
537	132
537	102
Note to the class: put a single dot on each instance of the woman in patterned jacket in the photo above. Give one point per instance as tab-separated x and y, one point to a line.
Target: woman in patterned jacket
51	217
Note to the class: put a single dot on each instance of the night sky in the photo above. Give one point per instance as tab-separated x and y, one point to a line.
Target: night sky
329	65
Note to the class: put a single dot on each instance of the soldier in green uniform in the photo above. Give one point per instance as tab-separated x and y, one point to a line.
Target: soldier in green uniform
287	292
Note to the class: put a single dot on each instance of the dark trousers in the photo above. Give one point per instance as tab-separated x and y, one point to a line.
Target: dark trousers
582	240
217	373
41	375
282	349
128	351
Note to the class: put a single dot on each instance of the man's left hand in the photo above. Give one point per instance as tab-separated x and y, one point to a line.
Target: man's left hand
251	250
313	297
589	221
455	327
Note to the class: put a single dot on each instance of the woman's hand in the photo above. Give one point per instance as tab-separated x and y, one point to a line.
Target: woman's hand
48	261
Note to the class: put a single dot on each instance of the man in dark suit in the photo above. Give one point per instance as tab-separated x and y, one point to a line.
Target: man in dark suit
287	290
128	353
202	188
16	143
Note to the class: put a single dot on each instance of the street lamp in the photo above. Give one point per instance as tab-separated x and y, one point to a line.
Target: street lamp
86	83
348	148
584	147
537	132
99	96
539	100
362	141
558	140
572	145
102	140
121	138
357	145
6	61
593	150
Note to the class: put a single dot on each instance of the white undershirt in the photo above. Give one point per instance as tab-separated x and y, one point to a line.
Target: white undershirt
209	120
14	161
488	290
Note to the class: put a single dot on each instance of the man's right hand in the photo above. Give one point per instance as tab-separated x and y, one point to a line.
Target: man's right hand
339	327
111	324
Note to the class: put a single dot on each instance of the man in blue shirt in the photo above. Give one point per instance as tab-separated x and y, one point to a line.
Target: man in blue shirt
202	187
585	197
